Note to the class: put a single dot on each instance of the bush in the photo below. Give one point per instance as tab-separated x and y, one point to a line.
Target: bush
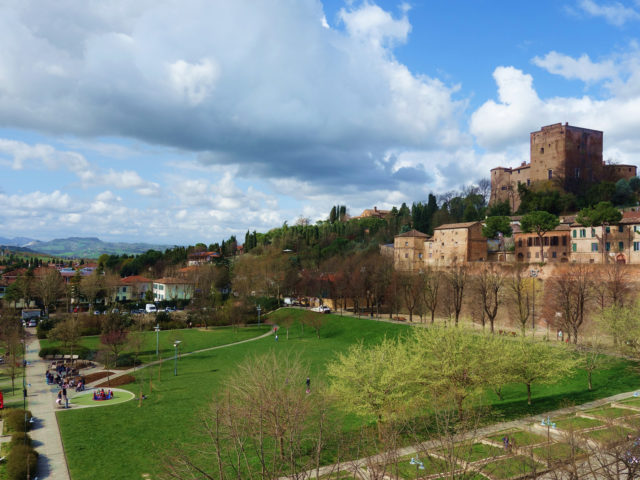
20	438
83	352
14	419
44	327
89	325
21	459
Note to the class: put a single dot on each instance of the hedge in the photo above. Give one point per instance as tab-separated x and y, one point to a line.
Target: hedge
83	352
19	457
15	421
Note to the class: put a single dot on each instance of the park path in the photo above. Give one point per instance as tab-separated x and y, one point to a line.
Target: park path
119	373
359	464
52	463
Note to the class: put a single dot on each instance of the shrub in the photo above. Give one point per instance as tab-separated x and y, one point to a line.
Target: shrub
44	327
20	438
82	352
14	419
21	459
89	325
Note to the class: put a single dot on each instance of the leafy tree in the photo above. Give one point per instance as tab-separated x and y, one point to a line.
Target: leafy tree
634	183
623	194
376	380
534	362
539	222
495	225
601	213
499	209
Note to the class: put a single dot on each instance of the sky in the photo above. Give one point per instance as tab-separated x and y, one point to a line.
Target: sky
184	121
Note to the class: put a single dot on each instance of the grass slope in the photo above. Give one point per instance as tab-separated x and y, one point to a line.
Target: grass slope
125	441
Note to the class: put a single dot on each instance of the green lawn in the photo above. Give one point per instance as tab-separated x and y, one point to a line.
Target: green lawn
556	452
633	401
511	467
474	452
191	339
133	440
610	412
519	438
609	434
577	423
86	398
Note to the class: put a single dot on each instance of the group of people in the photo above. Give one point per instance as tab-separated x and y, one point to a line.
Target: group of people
101	395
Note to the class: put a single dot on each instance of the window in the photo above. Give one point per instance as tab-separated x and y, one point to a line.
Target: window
520	243
503	188
607	246
528	182
620	228
555	241
406	255
564	241
553	254
536	241
528	254
406	244
636	246
620	246
529	241
537	254
541	149
608	229
574	247
583	233
550	172
545	241
420	256
577	172
594	247
574	234
593	232
635	228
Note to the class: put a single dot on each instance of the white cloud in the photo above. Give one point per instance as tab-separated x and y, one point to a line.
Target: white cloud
194	81
581	68
614	13
375	25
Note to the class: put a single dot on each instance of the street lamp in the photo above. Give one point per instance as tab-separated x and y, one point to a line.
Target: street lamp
175	357
259	310
157	329
549	424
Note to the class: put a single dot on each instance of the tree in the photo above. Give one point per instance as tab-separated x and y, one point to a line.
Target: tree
497	225
623	324
623	194
92	287
518	285
411	291
539	222
49	287
603	212
573	289
451	363
489	284
376	380
11	335
534	362
430	287
67	333
114	335
457	280
314	320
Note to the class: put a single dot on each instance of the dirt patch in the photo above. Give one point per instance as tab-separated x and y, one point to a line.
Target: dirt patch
92	377
116	382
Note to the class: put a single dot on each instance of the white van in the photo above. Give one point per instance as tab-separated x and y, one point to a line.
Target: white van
150	308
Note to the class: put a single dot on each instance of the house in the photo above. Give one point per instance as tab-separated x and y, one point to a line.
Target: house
556	245
171	288
133	287
619	243
456	243
200	258
375	213
409	250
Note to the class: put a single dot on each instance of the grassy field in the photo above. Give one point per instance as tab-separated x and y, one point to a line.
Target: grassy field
126	441
191	340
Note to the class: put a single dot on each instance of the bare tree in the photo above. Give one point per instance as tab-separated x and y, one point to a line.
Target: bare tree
457	277
520	306
430	288
489	284
49	287
411	291
573	292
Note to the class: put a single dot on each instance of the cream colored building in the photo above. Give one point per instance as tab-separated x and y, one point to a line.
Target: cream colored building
169	288
409	250
556	245
617	243
456	243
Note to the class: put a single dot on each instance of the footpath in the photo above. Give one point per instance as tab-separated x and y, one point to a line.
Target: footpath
52	463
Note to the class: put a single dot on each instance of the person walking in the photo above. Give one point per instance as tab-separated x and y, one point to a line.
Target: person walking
308	385
64	395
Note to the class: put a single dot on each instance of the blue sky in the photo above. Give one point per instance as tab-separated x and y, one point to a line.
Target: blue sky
178	122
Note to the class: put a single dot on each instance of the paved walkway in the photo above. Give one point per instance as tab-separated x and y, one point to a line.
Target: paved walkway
52	463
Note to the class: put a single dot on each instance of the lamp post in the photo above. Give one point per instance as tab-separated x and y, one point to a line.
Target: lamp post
157	330
175	357
533	274
549	424
605	226
259	309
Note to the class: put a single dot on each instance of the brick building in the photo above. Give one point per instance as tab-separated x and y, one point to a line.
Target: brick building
562	155
557	245
456	243
409	250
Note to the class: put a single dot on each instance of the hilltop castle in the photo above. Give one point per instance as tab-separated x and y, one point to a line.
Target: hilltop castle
564	155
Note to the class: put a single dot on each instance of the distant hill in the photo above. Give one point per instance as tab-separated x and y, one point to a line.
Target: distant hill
86	247
16	241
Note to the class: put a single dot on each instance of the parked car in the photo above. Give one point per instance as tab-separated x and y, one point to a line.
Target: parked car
32	323
321	309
